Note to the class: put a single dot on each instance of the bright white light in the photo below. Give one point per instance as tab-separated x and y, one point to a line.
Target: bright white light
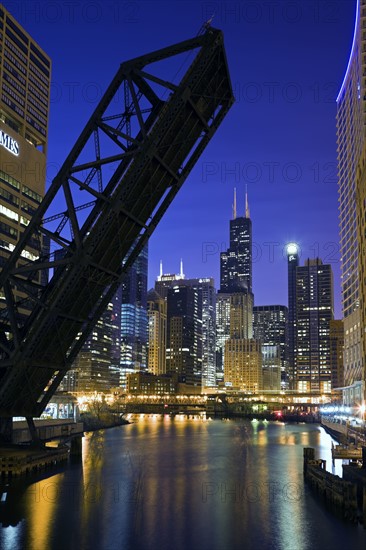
291	248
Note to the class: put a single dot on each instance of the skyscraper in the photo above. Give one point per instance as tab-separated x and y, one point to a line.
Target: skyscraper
243	355
358	392
93	369
241	315
351	142
271	368
134	323
157	319
184	335
336	337
25	73
205	287
292	263
314	311
206	293
270	327
235	298
166	281
222	331
236	262
243	364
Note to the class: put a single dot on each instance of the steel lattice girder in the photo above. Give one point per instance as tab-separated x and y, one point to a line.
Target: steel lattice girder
129	181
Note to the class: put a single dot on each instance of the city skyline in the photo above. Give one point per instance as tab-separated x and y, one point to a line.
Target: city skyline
279	139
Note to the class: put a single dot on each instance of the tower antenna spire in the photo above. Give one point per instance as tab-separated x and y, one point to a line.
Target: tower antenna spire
181	269
234	205
161	268
247	212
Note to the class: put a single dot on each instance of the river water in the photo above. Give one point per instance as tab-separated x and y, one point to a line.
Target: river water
180	483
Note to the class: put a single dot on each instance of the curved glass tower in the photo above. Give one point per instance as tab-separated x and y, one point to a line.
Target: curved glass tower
351	141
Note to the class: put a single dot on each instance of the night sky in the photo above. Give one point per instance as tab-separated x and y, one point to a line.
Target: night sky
287	61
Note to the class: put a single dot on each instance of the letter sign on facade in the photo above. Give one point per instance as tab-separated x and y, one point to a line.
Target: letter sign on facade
9	143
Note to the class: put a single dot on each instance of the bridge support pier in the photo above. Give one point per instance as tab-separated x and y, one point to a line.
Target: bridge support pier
6	430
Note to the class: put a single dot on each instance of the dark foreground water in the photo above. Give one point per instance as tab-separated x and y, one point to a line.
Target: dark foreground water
171	484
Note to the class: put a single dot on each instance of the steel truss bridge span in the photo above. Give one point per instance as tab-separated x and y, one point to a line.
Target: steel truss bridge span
124	170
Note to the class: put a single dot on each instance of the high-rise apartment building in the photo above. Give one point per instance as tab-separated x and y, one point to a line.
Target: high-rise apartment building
25	72
270	327
314	311
351	142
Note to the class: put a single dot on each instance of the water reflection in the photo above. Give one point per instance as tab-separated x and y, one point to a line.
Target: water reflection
172	482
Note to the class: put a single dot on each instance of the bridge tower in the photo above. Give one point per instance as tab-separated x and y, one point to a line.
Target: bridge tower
124	170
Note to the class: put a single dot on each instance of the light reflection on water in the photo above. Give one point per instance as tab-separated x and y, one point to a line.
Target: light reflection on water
178	483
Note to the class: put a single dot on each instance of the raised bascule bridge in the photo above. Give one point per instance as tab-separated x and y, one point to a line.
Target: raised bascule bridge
129	162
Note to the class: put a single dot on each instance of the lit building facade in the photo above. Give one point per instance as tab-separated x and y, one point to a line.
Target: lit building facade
270	327
157	320
97	365
207	297
292	251
147	383
359	387
236	262
184	335
206	293
134	321
351	140
222	331
243	354
236	300
271	368
336	341
241	315
243	365
314	311
93	369
25	73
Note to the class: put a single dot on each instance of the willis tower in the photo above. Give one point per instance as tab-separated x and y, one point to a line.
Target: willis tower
236	262
234	304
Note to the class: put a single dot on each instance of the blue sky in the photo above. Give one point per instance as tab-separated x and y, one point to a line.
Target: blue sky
287	60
